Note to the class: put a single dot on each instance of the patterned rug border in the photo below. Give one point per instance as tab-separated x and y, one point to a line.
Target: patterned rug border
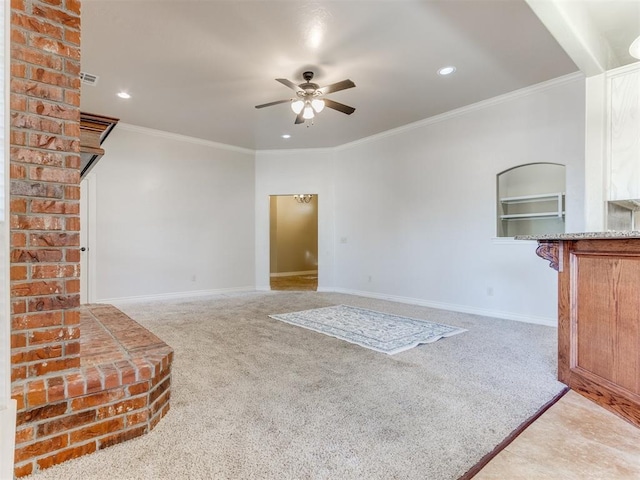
403	348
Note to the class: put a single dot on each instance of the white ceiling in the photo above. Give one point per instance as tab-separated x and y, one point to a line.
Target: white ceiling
198	68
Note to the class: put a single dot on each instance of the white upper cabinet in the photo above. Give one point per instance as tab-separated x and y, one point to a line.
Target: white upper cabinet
624	133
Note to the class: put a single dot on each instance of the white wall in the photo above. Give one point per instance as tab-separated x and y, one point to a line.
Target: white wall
407	215
415	208
286	172
173	215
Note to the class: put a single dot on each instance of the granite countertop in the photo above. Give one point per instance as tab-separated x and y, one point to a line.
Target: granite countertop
611	234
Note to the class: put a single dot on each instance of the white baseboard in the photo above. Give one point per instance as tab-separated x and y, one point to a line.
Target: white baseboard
291	274
7	439
175	295
548	321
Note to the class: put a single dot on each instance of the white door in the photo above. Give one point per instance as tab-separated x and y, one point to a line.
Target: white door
87	229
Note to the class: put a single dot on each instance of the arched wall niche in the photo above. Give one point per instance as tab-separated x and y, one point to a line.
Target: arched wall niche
531	199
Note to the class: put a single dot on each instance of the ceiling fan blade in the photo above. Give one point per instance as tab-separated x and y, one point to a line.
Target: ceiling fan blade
299	119
341	107
336	87
290	84
273	103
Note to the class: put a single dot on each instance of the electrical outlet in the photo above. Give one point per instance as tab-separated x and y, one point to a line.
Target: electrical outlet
193	278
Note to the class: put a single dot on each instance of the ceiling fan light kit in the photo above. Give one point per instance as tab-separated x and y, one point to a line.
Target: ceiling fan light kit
297	106
310	97
308	114
317	104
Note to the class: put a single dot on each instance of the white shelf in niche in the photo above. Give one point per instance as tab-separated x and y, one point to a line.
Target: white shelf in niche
516	216
545	197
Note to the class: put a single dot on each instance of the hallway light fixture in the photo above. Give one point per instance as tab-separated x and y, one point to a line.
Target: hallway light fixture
303	198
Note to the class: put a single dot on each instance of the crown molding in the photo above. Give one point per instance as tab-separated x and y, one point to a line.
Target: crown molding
294	151
523	92
182	138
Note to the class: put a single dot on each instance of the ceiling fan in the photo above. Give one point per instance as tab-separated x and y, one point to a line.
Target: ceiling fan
311	97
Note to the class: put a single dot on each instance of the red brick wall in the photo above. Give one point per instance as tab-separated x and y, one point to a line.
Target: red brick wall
65	409
45	191
66	416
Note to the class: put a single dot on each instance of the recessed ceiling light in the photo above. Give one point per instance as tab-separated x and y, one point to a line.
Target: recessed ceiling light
286	135
446	70
124	95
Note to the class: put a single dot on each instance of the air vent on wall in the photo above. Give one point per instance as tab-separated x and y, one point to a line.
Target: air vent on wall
88	78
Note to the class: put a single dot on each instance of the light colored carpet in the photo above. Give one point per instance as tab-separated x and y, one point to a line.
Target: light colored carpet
379	331
256	398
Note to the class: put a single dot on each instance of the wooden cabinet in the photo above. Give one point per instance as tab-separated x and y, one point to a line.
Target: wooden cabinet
599	319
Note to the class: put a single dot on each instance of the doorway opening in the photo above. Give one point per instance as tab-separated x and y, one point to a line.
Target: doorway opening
293	240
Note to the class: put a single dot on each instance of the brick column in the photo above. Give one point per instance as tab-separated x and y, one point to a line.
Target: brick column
45	192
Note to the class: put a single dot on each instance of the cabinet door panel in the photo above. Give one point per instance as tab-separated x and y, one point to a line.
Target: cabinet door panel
624	137
608	318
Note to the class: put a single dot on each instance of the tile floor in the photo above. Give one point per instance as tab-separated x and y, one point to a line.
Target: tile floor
574	439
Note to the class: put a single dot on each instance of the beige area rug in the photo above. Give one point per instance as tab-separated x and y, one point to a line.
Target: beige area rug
256	398
379	331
